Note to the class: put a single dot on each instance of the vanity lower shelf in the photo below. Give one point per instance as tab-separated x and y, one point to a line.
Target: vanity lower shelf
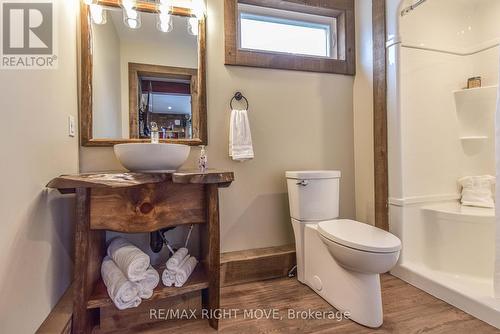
197	281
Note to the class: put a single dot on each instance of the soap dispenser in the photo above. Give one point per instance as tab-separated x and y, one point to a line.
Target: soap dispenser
203	161
155	135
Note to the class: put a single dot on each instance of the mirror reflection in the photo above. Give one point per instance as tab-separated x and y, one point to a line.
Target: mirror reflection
144	70
167	102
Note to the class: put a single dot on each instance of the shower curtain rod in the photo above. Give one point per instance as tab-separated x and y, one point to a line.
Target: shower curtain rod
412	7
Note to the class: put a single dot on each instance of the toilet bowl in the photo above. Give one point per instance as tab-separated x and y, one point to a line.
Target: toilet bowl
360	247
339	259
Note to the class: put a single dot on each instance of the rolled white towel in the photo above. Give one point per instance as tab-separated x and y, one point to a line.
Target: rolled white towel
168	277
123	293
175	260
184	271
131	260
148	284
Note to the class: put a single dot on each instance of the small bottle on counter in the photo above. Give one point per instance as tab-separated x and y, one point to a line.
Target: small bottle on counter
155	134
203	161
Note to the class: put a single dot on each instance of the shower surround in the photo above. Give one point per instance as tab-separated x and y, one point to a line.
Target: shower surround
439	132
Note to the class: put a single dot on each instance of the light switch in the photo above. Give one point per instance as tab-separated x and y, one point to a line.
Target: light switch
71	126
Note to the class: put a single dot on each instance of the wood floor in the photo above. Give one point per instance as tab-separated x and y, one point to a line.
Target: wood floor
406	310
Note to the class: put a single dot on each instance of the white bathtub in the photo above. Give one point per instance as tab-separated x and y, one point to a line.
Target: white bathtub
448	251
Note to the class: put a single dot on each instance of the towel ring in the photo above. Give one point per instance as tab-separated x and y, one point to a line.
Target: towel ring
238	97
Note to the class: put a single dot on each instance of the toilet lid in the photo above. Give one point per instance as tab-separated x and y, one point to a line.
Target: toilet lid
313	174
360	236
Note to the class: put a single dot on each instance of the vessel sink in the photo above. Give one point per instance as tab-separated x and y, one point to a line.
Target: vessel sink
151	158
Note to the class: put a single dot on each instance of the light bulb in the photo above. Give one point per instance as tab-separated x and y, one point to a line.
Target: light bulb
193	26
128	4
133	23
164	8
132	18
164	23
90	2
98	14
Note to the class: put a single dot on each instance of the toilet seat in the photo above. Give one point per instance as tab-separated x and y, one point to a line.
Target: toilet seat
360	236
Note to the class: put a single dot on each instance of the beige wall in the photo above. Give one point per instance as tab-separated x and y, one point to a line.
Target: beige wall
363	115
36	224
299	121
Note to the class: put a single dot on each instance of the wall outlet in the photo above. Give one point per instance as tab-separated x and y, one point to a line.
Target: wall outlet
71	126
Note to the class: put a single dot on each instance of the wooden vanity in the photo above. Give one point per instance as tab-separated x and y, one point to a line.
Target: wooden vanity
134	203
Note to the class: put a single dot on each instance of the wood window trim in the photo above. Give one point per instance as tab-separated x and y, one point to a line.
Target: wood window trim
342	10
136	70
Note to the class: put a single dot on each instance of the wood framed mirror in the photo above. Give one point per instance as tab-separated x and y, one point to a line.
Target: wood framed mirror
131	77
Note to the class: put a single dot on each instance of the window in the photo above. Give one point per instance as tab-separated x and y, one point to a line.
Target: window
288	34
273	30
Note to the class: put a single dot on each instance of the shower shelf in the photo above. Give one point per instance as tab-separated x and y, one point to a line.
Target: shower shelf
475	110
474	137
479	90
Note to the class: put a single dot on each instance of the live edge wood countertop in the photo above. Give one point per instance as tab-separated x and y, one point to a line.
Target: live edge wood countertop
67	183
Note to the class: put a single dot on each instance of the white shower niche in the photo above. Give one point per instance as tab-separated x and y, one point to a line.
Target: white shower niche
476	113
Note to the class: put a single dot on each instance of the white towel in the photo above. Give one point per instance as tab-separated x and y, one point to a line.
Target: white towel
148	284
240	137
174	261
477	191
131	260
168	277
185	271
123	293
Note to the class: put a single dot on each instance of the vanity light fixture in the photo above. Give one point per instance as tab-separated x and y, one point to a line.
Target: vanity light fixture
98	14
165	23
131	16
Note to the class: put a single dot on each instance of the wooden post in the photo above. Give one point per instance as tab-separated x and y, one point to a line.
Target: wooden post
89	250
380	116
211	249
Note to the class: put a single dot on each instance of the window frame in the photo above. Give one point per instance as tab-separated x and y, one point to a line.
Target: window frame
258	13
341	10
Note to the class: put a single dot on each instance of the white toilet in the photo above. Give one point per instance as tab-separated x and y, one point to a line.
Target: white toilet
339	259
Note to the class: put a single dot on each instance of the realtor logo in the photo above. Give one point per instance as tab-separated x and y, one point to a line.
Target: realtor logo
27	34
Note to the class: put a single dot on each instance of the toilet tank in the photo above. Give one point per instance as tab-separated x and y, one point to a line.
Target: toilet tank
313	195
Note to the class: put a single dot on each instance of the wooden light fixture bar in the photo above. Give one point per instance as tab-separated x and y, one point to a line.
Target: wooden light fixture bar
148	7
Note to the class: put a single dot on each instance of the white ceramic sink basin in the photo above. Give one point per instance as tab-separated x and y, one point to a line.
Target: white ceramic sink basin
151	158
